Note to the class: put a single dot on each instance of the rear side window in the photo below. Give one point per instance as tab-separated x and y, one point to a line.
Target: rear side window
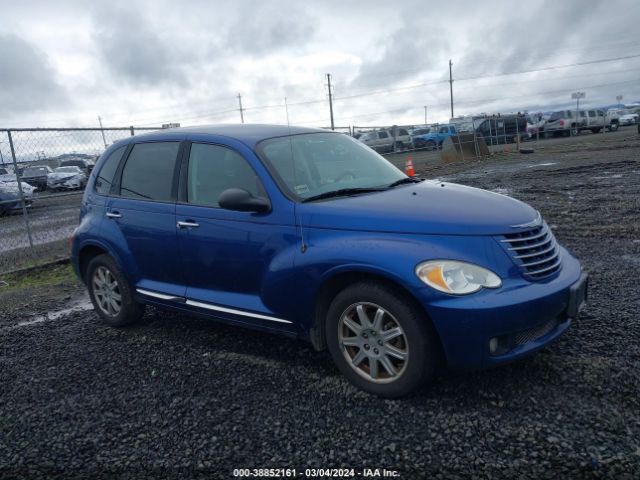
149	171
382	135
214	169
104	179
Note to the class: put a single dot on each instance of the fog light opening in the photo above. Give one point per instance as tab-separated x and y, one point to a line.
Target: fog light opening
494	343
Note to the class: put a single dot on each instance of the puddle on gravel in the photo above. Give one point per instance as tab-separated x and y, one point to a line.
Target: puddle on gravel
80	305
542	164
501	191
618	175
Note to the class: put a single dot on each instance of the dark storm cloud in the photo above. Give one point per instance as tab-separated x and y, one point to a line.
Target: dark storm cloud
401	55
266	31
529	41
133	50
27	81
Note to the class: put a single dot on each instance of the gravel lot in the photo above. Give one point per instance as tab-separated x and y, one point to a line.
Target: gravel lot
176	397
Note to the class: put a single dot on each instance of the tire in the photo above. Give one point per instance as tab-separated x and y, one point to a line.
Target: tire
398	146
416	342
574	131
614	127
102	271
430	145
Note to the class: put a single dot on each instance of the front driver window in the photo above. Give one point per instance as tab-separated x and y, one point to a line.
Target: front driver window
214	169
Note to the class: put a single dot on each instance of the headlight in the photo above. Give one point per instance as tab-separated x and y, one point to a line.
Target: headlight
458	278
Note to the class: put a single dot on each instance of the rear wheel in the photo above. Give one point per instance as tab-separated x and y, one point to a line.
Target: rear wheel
398	146
111	294
379	340
430	145
613	127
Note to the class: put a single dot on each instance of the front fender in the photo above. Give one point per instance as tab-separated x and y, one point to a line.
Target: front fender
392	256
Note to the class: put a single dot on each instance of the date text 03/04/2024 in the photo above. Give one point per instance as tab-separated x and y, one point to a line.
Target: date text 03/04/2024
316	473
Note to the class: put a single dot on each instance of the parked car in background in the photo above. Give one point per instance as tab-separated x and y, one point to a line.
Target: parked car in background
85	165
535	123
597	119
36	176
10	194
433	140
9	180
502	129
629	119
561	123
66	178
418	136
384	141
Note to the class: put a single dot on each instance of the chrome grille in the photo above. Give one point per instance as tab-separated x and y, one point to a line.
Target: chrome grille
534	250
535	333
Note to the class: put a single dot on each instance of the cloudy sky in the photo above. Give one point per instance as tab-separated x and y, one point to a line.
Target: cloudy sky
63	63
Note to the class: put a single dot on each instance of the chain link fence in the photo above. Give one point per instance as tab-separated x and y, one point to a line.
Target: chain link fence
43	172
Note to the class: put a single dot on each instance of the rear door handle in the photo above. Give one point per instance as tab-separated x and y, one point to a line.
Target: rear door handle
188	224
113	215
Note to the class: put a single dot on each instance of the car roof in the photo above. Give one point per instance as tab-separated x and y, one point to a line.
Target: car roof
249	134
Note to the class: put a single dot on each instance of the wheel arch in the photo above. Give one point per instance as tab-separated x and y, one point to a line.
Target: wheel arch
88	251
333	284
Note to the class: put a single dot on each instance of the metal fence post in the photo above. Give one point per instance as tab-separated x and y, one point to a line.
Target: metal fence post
132	131
24	205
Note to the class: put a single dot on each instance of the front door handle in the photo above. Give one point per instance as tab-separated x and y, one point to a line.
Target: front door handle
113	215
188	224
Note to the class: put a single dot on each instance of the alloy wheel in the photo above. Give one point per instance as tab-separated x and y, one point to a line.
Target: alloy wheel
106	291
373	342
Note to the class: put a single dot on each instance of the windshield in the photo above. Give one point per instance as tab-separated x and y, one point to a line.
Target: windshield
316	163
66	170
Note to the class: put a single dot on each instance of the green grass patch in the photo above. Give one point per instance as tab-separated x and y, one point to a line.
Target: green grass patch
50	275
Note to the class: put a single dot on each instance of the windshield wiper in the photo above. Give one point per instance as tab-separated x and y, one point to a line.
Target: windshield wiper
402	181
343	192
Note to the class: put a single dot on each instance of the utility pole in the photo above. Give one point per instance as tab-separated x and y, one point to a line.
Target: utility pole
330	100
577	96
425	114
241	109
619	99
104	140
286	109
1	157
451	86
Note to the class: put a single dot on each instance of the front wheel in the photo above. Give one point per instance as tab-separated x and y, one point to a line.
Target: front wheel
379	340
431	145
613	127
111	294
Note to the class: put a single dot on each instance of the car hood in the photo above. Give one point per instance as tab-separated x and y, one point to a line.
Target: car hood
60	176
429	207
12	188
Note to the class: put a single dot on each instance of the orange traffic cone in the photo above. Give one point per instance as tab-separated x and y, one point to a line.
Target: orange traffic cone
408	169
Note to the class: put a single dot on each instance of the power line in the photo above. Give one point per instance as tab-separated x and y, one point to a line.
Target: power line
554	67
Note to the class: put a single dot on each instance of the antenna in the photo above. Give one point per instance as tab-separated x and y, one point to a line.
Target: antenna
303	246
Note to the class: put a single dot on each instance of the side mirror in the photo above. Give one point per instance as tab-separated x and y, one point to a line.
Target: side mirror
242	201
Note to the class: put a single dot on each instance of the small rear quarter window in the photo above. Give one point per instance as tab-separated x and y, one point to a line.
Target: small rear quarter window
104	179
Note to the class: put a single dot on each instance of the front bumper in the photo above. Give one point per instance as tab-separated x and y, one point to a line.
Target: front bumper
523	318
64	184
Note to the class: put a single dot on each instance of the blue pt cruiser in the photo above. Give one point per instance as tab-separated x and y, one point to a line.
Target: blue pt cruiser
312	234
